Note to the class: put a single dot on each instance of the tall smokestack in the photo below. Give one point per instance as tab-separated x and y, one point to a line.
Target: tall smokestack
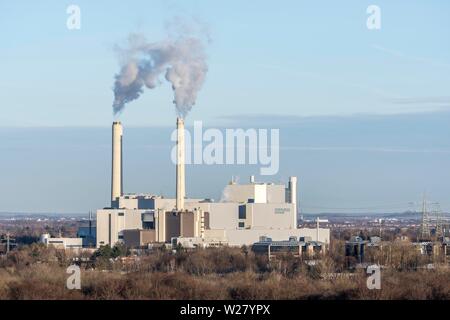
180	165
116	168
293	196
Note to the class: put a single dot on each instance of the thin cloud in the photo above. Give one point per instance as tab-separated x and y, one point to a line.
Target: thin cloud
424	103
289	119
402	55
336	81
367	149
425	100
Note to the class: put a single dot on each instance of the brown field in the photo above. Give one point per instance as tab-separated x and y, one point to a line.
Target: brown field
37	272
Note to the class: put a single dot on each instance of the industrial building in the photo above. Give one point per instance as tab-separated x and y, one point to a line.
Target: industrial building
430	248
62	243
356	247
87	232
304	246
248	212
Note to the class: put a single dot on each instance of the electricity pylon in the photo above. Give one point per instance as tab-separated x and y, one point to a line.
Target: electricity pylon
425	226
437	214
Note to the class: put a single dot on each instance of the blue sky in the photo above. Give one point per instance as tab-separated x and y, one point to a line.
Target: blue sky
271	64
266	57
376	163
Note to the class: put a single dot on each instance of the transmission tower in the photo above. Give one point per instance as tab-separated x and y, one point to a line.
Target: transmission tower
437	214
425	226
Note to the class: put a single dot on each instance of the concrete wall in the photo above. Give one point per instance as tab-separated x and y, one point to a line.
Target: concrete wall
223	215
260	193
160	225
165	204
276	193
172	226
111	223
271	215
132	238
187	228
216	235
65	243
138	238
147	236
102	227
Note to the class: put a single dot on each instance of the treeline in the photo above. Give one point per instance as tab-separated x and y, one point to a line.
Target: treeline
38	272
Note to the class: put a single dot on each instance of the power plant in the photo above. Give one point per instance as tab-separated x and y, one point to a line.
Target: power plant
248	212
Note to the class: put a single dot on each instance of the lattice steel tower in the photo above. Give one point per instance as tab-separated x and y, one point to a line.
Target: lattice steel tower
425	226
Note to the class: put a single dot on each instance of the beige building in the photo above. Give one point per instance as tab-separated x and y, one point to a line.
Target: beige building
62	243
246	213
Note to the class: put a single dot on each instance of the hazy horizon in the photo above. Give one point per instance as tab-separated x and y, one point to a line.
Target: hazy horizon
68	169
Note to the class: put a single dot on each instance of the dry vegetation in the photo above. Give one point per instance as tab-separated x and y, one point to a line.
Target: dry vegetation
37	272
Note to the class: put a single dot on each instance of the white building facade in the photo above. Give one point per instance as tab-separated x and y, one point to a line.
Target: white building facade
246	213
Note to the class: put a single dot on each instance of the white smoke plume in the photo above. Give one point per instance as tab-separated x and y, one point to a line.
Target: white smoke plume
182	60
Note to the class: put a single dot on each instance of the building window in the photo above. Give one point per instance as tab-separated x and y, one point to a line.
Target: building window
148	225
121	214
120	236
242	212
241	224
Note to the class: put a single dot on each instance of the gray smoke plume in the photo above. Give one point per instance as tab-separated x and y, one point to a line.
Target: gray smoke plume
181	60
